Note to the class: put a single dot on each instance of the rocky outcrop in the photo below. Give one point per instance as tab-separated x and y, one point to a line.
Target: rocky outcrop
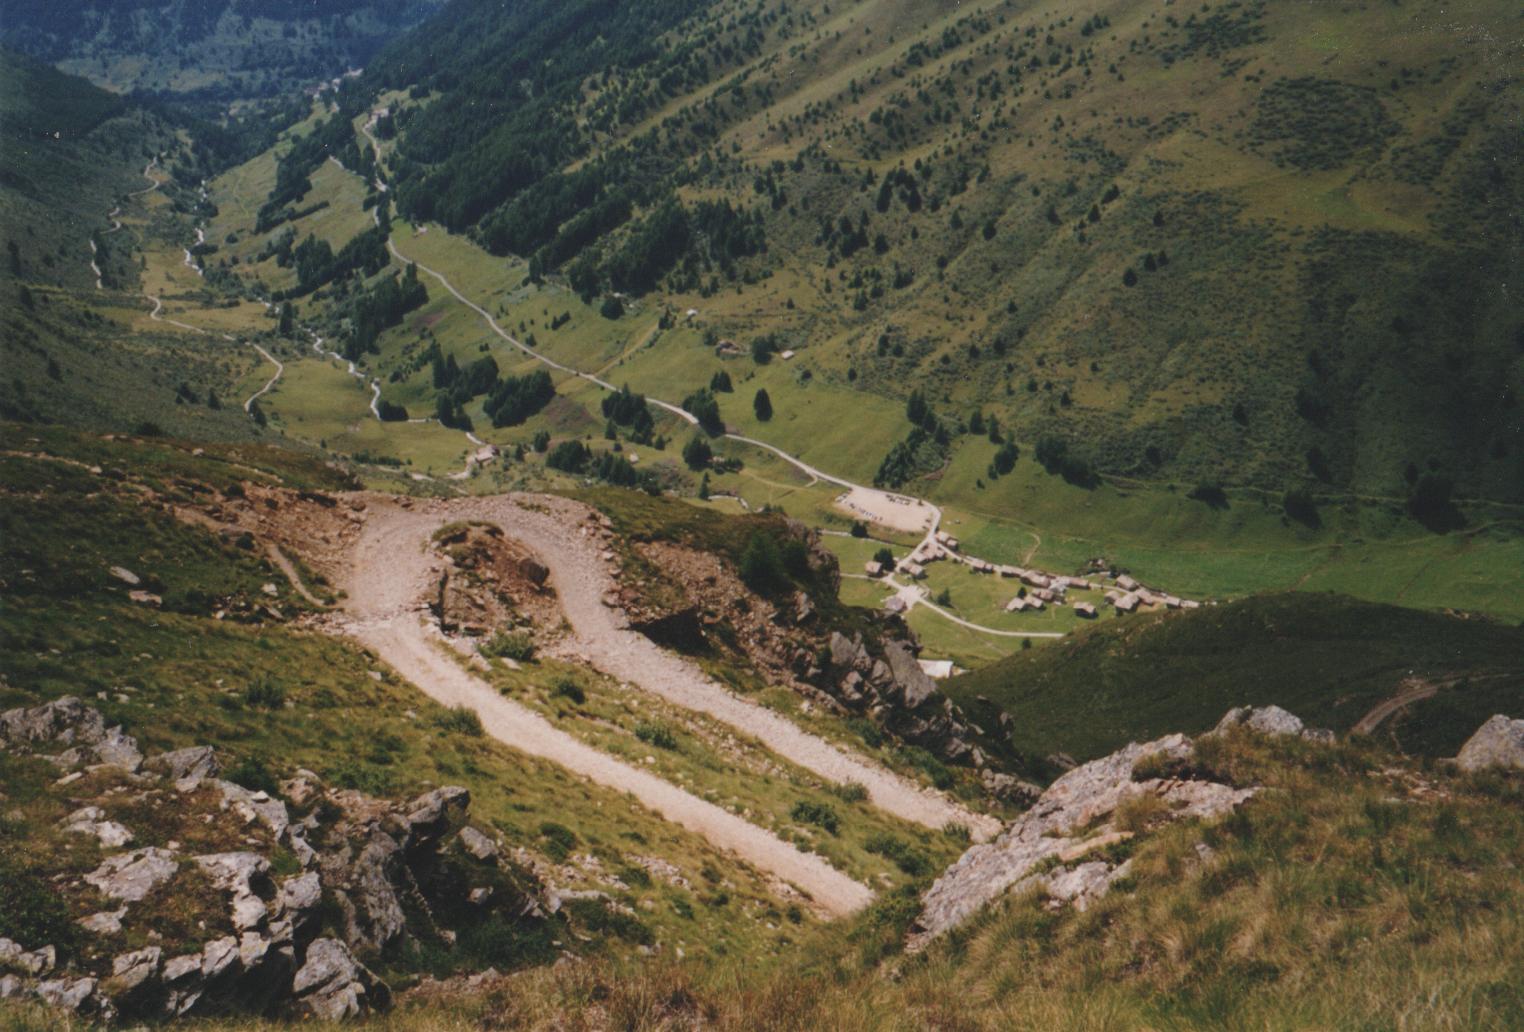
1067	844
893	690
787	640
1270	720
271	946
915	684
332	985
79	728
1496	745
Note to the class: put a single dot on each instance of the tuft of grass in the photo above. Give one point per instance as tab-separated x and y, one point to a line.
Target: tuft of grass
515	645
906	858
566	687
849	792
459	720
265	693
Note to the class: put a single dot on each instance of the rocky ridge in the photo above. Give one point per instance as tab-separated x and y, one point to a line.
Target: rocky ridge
792	644
1071	843
287	908
1066	844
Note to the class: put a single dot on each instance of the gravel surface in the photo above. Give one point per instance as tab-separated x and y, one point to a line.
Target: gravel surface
392	570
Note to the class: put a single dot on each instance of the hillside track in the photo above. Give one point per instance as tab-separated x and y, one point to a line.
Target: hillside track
391	570
550	528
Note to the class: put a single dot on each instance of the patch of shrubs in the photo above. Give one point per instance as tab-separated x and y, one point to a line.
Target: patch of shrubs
658	735
898	852
514	645
818	814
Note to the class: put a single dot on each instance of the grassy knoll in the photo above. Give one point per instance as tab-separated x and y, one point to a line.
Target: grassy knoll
1327	658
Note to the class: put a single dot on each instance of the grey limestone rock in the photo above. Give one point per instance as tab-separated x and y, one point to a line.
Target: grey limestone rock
131	876
1497	744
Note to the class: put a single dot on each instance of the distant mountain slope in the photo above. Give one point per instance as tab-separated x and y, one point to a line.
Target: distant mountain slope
216	47
1260	243
67	150
1327	658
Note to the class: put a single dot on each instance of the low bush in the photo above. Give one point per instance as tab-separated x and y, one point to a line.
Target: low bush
514	645
818	814
460	720
658	735
899	852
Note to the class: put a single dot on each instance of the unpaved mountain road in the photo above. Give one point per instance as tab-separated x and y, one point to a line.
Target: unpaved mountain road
391	570
1414	689
555	529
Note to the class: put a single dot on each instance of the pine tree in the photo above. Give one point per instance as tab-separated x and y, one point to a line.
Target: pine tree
762	405
697	453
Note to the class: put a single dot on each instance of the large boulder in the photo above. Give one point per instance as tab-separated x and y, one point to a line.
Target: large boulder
253	806
332	985
198	761
79	728
916	684
432	814
367	890
131	876
1497	745
134	986
67	721
844	651
70	994
1072	818
478	845
1270	721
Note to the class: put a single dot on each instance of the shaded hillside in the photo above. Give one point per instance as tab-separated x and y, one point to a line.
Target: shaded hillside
1327	658
70	150
71	154
1217	244
221	48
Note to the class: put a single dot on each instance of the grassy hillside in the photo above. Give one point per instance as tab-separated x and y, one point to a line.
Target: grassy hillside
224	661
1250	243
1351	894
1327	658
226	48
79	221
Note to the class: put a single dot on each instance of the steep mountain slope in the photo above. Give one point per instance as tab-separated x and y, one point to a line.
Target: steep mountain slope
83	176
226	48
1261	244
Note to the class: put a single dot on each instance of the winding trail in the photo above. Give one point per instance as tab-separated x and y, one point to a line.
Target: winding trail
390	571
1415	689
797	463
602	640
248	406
158	304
